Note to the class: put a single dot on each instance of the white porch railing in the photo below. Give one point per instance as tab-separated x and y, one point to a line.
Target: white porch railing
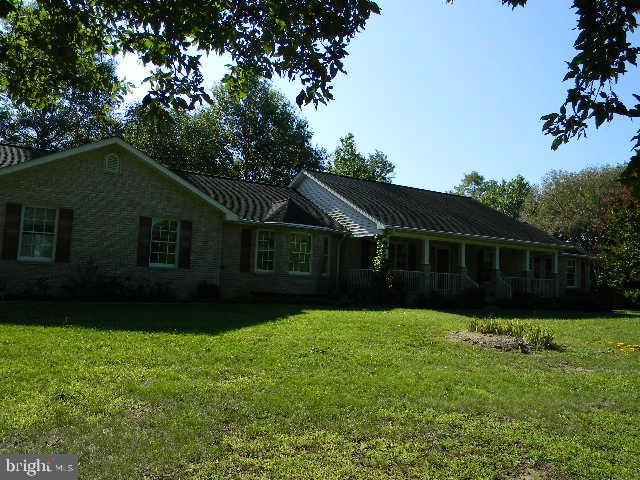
443	283
362	278
543	287
411	279
446	283
516	284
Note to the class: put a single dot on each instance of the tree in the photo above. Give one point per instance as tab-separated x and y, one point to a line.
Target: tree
180	140
48	47
618	252
606	47
347	160
472	185
260	137
569	204
267	138
505	196
76	118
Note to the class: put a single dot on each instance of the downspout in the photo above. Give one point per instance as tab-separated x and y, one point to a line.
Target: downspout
338	261
220	255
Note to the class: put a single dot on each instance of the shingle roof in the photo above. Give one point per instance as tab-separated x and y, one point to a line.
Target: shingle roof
260	202
11	155
414	208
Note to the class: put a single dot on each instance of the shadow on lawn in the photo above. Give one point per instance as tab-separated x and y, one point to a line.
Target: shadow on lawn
157	317
220	317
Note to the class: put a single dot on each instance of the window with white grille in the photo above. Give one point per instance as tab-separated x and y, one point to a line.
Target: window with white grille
265	251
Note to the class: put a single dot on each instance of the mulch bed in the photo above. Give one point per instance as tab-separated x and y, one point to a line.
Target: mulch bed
505	343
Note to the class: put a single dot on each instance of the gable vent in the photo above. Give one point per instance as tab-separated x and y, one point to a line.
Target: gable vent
112	163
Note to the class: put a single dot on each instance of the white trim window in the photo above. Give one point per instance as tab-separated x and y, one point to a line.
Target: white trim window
265	251
163	249
38	229
300	253
572	273
324	269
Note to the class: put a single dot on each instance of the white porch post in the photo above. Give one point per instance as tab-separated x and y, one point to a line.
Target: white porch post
497	258
426	251
426	266
527	270
463	257
555	263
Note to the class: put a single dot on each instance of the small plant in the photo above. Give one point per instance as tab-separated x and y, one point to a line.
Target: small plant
539	337
533	335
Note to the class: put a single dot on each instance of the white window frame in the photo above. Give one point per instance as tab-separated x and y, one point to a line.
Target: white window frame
326	255
24	258
575	273
164	265
273	251
310	253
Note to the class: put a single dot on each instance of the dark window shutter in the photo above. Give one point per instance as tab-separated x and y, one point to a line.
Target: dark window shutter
63	242
245	250
186	228
144	239
11	231
413	256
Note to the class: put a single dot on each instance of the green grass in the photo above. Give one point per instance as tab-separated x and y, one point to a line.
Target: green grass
267	391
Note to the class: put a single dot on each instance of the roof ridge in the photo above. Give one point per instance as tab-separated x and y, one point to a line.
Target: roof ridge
226	177
387	183
14	145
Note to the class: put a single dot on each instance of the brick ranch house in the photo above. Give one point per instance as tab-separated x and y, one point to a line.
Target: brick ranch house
110	205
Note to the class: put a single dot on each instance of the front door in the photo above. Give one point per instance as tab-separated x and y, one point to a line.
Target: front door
443	262
484	265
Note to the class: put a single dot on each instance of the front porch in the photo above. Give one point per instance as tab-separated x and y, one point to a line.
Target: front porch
448	267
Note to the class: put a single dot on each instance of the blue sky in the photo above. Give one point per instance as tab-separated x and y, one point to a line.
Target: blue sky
446	89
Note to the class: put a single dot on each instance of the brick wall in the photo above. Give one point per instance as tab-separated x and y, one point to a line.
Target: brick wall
106	209
236	283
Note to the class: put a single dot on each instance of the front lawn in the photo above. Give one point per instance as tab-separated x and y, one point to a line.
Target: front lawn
269	391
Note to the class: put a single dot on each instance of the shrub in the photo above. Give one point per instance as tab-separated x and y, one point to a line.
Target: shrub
632	296
584	300
37	289
207	291
524	299
472	297
533	335
88	282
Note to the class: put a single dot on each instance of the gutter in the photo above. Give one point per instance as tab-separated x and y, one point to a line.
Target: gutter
474	236
289	225
578	255
339	261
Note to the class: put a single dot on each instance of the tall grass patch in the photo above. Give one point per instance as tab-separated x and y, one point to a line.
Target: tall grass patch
534	335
